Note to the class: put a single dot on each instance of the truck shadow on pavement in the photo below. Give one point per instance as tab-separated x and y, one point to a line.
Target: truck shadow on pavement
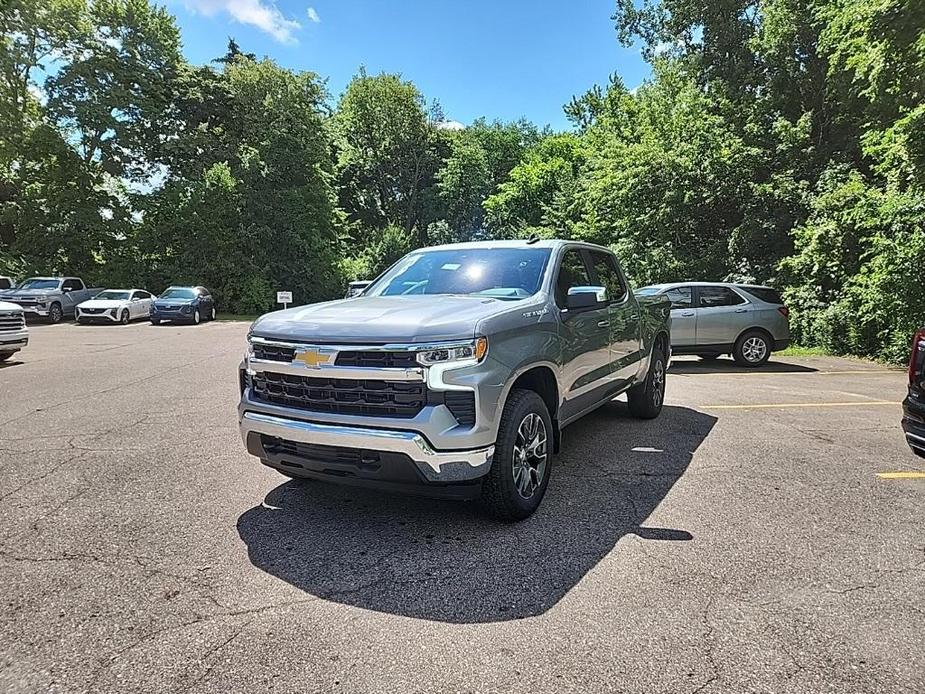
728	366
447	561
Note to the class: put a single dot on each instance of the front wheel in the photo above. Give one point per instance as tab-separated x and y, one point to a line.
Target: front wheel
520	468
123	317
155	321
646	399
752	349
196	317
6	355
212	314
55	314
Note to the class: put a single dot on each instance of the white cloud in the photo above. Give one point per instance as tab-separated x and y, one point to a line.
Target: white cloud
263	14
449	125
313	15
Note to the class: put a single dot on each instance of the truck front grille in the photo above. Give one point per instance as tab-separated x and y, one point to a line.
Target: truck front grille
273	352
10	322
377	360
341	395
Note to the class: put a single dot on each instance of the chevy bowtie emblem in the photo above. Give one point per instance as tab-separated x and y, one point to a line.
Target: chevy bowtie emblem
312	358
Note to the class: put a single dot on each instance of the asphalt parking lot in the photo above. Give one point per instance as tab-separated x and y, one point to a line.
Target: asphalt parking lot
742	542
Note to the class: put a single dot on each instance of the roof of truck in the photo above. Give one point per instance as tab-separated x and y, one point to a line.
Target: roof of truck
511	243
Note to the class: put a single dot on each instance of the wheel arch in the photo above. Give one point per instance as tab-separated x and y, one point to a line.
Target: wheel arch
541	379
755	328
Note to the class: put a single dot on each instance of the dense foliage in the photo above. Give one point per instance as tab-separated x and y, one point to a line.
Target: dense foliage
776	141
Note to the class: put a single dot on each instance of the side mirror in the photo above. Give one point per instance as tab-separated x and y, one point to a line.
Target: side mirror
585	297
65	290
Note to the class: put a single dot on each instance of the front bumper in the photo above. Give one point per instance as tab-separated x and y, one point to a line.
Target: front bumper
104	317
352	455
914	425
179	316
13	342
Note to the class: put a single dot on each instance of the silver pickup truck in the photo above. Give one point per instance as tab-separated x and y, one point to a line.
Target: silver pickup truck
455	371
49	297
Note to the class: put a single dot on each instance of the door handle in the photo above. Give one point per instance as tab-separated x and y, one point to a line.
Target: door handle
741	310
687	313
603	323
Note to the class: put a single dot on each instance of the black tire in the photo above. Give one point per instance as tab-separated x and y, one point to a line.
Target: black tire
196	317
212	314
82	321
6	355
646	399
55	313
124	317
505	488
708	357
752	349
155	321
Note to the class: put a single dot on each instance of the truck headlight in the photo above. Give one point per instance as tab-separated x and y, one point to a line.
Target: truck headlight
457	351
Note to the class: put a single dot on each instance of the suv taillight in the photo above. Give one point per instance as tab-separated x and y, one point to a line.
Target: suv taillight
784	311
917	357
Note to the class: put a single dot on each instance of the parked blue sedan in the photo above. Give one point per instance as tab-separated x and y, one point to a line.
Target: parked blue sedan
183	304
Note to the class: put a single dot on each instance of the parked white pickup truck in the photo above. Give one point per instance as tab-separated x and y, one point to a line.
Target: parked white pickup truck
50	297
13	332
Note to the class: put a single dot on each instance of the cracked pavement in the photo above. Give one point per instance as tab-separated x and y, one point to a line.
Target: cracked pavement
712	550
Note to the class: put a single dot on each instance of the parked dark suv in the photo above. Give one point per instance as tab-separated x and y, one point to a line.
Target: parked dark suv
914	404
183	304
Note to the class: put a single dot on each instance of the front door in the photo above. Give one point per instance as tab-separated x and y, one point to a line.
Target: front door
683	317
584	337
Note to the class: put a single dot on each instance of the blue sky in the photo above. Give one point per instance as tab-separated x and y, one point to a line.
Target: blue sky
501	59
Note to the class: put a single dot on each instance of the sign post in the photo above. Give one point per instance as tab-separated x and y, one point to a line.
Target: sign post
284	298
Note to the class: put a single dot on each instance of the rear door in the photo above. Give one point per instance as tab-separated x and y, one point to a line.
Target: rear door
722	315
683	316
584	337
622	313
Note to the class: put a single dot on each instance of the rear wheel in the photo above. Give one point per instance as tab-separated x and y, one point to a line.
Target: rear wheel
753	348
645	400
520	468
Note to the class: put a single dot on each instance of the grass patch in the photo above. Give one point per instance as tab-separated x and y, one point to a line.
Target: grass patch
236	317
801	351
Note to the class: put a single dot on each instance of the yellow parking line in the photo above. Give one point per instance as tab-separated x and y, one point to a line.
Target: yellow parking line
782	405
907	475
789	373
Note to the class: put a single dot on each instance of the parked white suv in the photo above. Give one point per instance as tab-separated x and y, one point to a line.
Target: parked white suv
13	332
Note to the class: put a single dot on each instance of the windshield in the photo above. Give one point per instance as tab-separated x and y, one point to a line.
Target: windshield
113	294
502	273
35	283
178	293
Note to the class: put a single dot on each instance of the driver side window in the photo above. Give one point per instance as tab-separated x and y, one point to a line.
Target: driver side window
572	273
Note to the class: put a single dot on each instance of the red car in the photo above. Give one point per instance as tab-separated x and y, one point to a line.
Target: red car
914	404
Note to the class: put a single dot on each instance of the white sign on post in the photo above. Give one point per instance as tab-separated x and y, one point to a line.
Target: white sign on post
284	298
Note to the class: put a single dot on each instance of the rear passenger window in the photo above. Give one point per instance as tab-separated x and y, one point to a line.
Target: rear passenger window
680	297
766	294
711	297
608	276
572	273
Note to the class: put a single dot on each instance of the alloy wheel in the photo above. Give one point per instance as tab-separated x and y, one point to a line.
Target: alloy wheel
754	349
658	382
530	455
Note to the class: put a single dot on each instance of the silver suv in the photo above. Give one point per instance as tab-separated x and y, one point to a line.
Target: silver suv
454	372
713	318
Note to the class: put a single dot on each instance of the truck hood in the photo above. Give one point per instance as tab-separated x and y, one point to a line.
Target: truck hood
27	293
382	319
10	307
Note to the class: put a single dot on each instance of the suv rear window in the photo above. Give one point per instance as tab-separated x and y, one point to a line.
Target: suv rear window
766	294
